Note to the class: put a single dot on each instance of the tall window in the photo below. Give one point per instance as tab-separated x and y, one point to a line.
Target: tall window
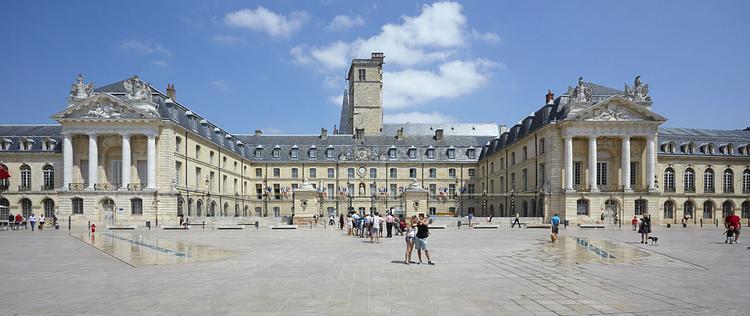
313	153
746	181
689	207
258	172
728	181
141	168
362	74
525	153
669	180
745	209
542	175
525	179
49	207
393	173
77	205
295	152
541	146
177	144
582	207
433	189
373	173
295	173
313	173
178	173
433	173
25	177
136	206
258	152
471	153
689	180
669	209
276	152
601	173
49	177
4	183
452	173
26	208
4	209
472	172
726	208
331	173
708	181
577	173
633	174
413	173
211	157
350	173
641	207
708	210
197	177
512	158
329	152
451	153
412	152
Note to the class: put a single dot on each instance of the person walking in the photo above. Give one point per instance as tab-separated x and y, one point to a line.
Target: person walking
411	234
732	222
19	221
367	225
423	231
645	228
341	221
516	221
389	225
41	222
470	218
634	221
355	224
32	220
377	222
555	227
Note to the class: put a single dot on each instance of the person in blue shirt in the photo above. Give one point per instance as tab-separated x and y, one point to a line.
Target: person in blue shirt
555	226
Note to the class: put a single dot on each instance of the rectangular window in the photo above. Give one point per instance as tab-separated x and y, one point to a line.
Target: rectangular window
373	189
452	173
258	152
295	173
197	178
350	173
329	152
393	189
211	180
471	172
433	189
601	173
295	152
178	173
142	170
330	190
525	176
258	172
115	173
392	153
470	190
393	173
452	190
259	191
513	181
277	191
276	153
136	206
413	173
373	173
223	184
542	178
77	205
633	174
492	186
577	173
433	173
451	153
331	173
430	153
84	166
362	74
412	153
313	173
313	153
276	172
350	189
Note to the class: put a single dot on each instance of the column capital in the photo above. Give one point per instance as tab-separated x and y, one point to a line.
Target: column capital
125	134
92	134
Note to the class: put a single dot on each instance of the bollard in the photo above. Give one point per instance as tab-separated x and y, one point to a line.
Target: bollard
701	222
716	221
203	225
89	225
669	225
459	225
256	224
68	222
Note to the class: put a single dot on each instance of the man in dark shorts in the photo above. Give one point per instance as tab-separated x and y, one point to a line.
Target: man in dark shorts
555	226
423	231
733	222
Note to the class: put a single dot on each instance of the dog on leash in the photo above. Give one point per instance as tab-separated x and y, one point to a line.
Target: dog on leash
654	240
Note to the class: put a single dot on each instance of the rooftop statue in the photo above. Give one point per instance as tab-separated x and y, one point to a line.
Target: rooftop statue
137	89
80	90
581	93
639	92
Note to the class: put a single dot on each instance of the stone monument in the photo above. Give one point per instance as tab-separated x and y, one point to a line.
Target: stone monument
306	203
415	199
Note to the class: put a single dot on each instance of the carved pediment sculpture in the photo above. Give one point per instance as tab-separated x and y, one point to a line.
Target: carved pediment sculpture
137	89
639	91
80	90
105	110
612	113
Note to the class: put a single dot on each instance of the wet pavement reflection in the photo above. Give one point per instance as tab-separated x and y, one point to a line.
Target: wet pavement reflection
138	249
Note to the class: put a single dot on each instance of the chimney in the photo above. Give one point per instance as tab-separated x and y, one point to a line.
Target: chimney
378	57
400	134
258	132
439	134
170	92
323	134
550	97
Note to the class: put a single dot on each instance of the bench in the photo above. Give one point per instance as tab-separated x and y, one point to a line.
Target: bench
436	226
591	226
283	226
486	226
539	226
121	227
174	227
224	227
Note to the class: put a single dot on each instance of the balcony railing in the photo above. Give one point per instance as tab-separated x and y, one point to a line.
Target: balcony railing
47	187
76	186
729	190
136	186
690	190
709	190
106	186
24	187
669	190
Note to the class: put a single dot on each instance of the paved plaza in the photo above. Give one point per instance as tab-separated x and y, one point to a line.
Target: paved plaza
321	271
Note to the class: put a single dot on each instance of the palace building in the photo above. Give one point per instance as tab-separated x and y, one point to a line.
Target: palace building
126	153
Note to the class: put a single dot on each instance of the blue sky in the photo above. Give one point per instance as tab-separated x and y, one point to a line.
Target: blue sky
280	65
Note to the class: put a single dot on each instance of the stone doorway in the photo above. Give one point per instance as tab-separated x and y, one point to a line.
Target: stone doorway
108	211
611	212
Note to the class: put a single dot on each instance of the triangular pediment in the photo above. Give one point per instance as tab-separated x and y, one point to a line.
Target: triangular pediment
104	106
616	108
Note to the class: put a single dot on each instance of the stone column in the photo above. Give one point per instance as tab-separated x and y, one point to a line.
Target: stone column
568	186
125	161
67	161
93	161
650	162
592	164
626	163
151	162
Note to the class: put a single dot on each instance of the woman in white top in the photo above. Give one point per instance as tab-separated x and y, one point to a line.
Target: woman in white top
41	222
411	233
32	221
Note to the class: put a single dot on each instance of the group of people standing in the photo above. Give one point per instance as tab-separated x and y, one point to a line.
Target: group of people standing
369	225
17	221
415	232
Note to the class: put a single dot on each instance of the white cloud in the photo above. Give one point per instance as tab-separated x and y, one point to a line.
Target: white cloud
160	63
144	47
411	87
431	36
228	39
263	20
336	99
341	22
221	85
417	117
488	37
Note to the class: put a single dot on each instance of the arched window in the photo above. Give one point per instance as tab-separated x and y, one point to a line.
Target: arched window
689	209
49	177
199	208
669	180
4	183
225	211
190	207
77	205
25	178
746	209
728	181
582	207
49	207
726	208
641	207
708	210
525	153
746	181
136	206
213	209
708	181
541	146
689	180
669	209
236	210
4	208
26	208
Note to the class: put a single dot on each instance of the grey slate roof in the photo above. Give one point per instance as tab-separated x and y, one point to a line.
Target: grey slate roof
546	114
682	136
15	134
475	129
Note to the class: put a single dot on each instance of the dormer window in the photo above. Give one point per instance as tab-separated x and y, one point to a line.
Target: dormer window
451	153
277	152
49	144
258	152
26	144
412	152
431	153
313	153
392	152
329	152
471	153
294	152
5	144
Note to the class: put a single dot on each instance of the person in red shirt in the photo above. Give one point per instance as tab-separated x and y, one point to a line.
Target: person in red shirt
732	222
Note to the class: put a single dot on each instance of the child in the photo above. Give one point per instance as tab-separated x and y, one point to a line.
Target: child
730	235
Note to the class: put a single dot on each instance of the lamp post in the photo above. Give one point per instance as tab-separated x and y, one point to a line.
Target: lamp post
484	202
513	201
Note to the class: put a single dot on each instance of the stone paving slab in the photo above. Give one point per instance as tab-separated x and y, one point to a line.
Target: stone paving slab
317	271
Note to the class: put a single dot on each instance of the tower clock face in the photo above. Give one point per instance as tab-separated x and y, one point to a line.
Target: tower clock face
362	171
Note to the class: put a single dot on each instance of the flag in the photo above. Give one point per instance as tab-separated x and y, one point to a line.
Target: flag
4	174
